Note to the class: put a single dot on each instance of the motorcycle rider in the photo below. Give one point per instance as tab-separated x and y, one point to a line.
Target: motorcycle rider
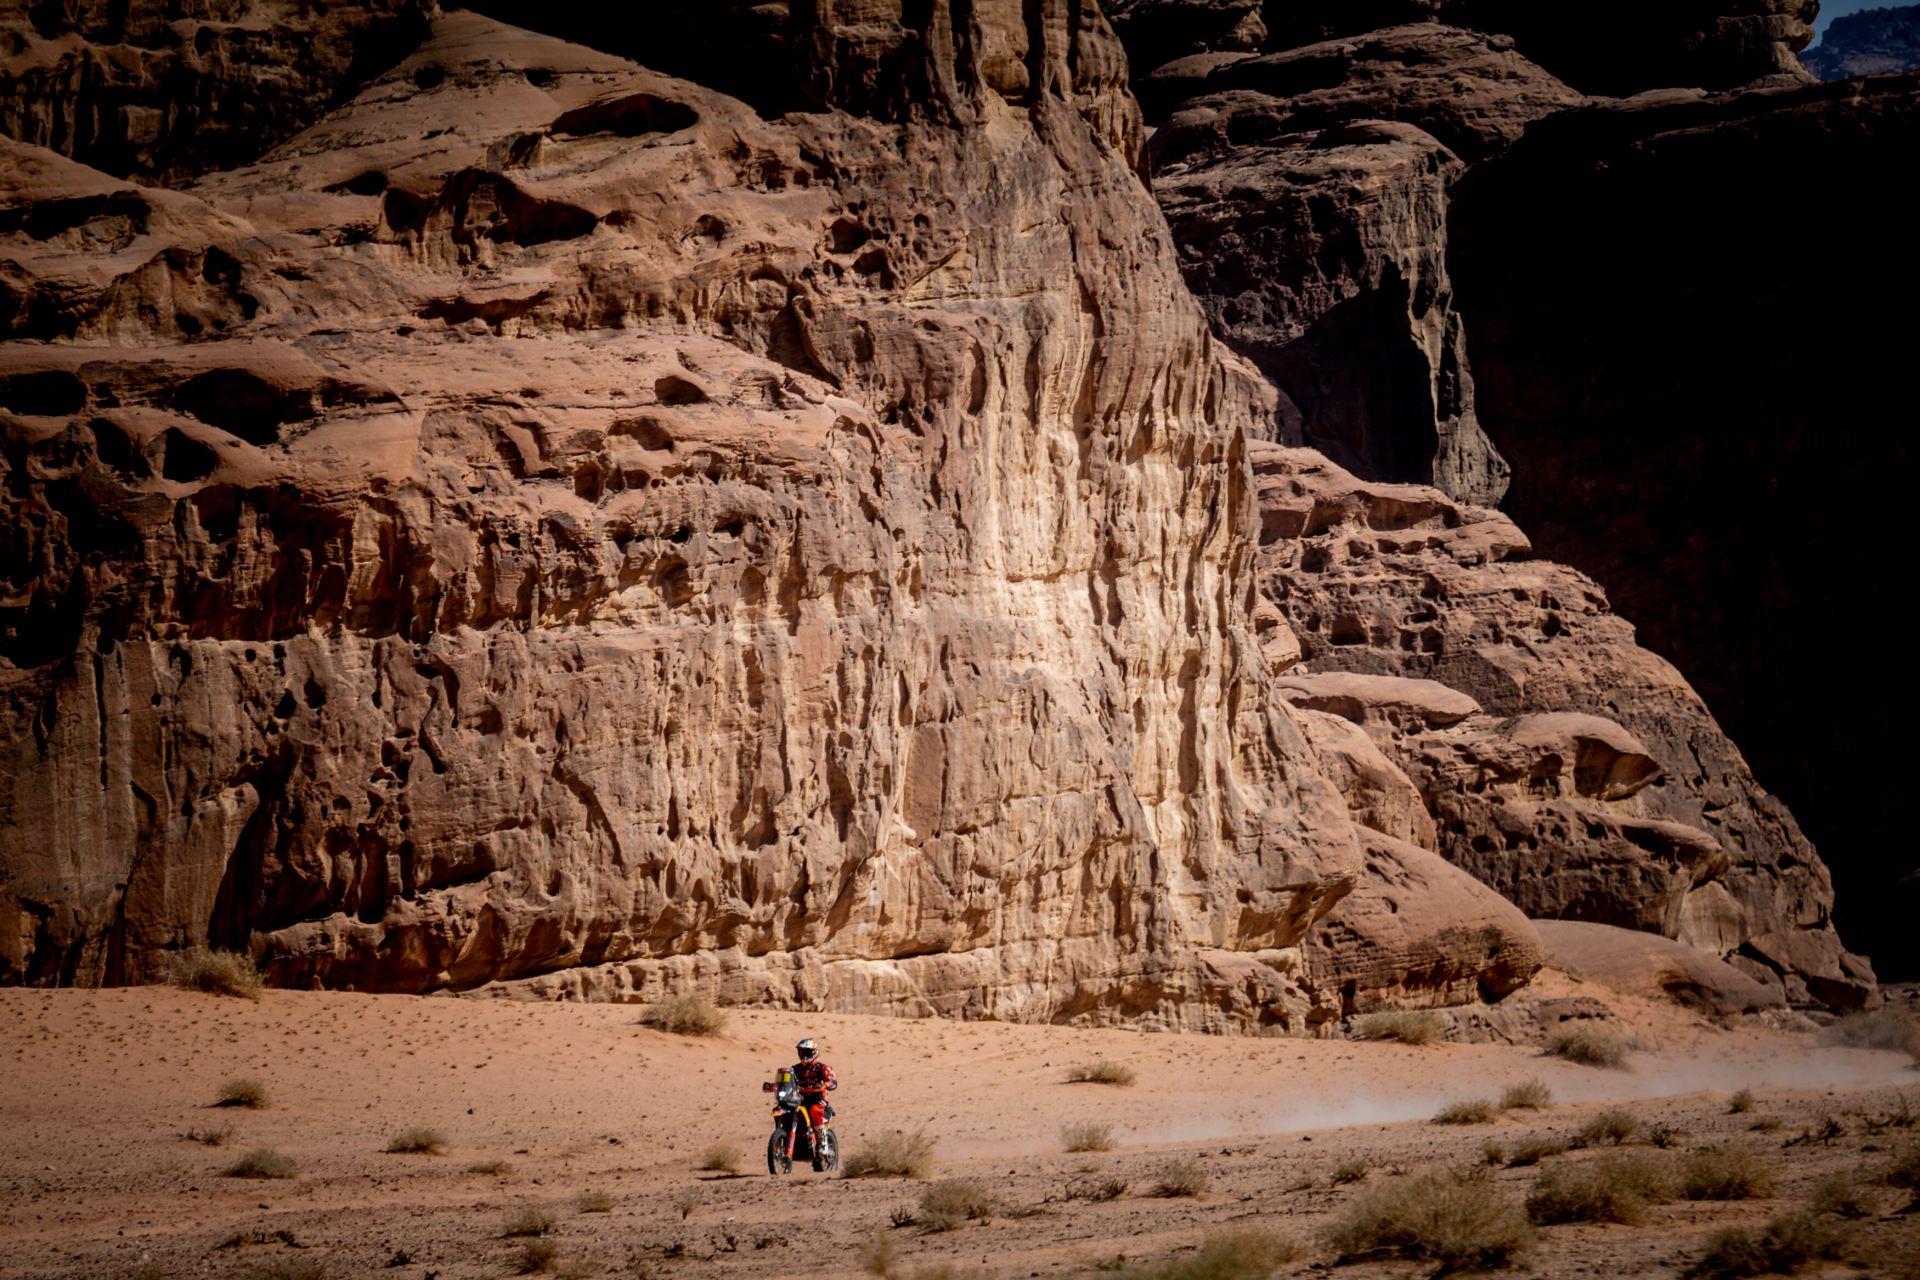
815	1079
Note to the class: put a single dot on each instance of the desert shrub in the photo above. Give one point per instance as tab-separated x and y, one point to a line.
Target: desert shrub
1664	1135
1724	1173
1782	1247
1101	1072
686	1202
242	1092
1465	1111
1460	1223
1096	1189
898	1154
418	1140
1587	1046
1766	1124
1493	1152
211	1136
1904	1172
1354	1170
1531	1151
262	1162
294	1268
536	1256
1887	1029
593	1202
956	1201
1615	1188
1408	1026
528	1220
1242	1255
1609	1128
1182	1178
1841	1195
1086	1135
222	973
491	1168
1528	1095
1740	1103
721	1157
684	1015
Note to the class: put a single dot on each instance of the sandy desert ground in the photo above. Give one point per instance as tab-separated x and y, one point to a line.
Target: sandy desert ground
101	1090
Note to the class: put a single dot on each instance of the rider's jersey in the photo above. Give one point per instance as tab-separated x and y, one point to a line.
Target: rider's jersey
814	1077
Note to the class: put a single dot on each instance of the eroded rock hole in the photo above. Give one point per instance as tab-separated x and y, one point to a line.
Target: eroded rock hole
674	389
243	403
46	393
629	117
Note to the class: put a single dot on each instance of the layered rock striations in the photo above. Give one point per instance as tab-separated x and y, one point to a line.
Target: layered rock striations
1551	756
547	519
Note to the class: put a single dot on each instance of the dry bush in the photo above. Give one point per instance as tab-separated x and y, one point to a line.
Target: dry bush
242	1093
1242	1255
1531	1151
536	1256
686	1202
212	1136
1609	1127
1086	1135
1408	1026
294	1268
1664	1135
898	1154
222	973
1354	1170
1528	1095
1460	1223
1466	1111
1740	1103
1493	1151
1887	1029
418	1140
1101	1072
1904	1172
1842	1195
1587	1046
262	1162
492	1168
1724	1173
1766	1124
955	1202
1615	1188
528	1220
1182	1178
593	1202
684	1015
721	1157
1095	1189
1785	1245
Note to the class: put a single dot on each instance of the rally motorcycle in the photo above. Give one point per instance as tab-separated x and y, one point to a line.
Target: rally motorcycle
792	1136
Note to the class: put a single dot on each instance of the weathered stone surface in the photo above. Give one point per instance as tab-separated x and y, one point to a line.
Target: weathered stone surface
545	517
169	91
1872	42
1308	192
1647	964
1561	763
1694	406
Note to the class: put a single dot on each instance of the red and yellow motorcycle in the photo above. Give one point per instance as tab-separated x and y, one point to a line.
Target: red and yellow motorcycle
793	1129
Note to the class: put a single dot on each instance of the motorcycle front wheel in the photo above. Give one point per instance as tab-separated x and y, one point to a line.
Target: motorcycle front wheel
778	1161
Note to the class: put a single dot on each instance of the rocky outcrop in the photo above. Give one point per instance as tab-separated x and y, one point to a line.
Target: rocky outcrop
1692	406
1872	42
547	524
1308	191
169	91
1645	964
1554	758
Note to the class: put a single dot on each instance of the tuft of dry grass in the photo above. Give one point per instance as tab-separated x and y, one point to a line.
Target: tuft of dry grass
217	1135
1101	1072
1241	1255
537	1256
1460	1223
898	1154
1782	1247
1587	1046
1724	1173
956	1202
1617	1187
220	973
1609	1128
1904	1172
1466	1111
1740	1103
528	1220
418	1140
593	1202
492	1168
1408	1026
684	1015
1531	1151
1841	1195
721	1157
242	1092
1182	1178
262	1162
1528	1095
1086	1135
1095	1189
1766	1124
686	1202
1354	1170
